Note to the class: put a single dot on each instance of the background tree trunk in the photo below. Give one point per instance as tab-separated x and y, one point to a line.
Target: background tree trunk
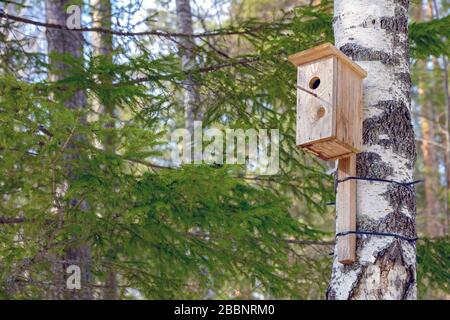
375	35
103	48
428	131
187	49
67	42
447	127
431	171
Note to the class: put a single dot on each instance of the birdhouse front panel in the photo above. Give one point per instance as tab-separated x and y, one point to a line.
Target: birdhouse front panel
315	101
329	102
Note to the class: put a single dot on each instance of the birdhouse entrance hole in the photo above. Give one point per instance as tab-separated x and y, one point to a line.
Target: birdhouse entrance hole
314	83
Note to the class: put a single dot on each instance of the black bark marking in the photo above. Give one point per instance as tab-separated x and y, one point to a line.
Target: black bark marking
395	122
330	294
398	27
404	77
360	53
411	282
335	19
355	284
370	165
370	22
401	196
385	260
403	3
397	222
397	23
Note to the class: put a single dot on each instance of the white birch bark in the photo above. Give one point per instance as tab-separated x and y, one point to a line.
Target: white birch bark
375	35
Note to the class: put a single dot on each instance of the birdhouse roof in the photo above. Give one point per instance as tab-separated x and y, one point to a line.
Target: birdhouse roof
322	51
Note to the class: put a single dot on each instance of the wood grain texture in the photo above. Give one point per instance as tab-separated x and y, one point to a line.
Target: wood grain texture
330	149
349	107
346	210
316	115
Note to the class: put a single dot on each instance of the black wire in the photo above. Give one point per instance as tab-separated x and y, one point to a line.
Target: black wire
368	233
405	184
383	234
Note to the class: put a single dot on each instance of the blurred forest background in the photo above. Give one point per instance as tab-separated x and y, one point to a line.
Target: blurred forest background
85	170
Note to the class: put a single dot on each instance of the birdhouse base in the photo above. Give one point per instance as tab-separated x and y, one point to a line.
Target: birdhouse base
329	149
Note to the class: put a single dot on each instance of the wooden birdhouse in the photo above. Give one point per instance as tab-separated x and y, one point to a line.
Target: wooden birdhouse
329	102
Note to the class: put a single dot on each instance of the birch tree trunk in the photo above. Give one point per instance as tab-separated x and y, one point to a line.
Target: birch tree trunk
375	35
67	42
103	48
187	49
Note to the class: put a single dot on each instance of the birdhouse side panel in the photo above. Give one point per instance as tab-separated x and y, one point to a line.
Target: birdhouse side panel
316	93
349	107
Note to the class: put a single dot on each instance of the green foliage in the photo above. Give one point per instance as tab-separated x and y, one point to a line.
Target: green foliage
209	228
433	257
430	38
168	233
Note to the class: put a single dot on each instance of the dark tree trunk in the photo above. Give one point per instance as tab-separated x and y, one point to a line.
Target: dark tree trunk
103	48
187	50
67	42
